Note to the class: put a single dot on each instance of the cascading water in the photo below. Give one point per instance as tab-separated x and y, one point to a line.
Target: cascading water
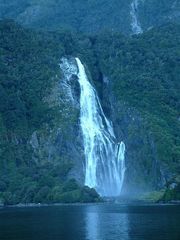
105	159
136	27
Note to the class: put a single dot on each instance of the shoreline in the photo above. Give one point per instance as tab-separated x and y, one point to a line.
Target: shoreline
132	203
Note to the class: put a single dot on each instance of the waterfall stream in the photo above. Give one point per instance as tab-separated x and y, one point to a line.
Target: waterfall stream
105	158
135	24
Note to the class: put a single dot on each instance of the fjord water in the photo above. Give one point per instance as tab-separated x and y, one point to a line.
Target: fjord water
91	222
105	160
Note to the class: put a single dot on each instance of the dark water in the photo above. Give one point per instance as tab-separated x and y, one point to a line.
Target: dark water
91	222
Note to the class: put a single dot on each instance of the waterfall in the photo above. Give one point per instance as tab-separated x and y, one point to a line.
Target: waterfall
135	24
105	158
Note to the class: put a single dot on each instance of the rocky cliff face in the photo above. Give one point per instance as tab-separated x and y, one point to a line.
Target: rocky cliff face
144	170
131	16
63	141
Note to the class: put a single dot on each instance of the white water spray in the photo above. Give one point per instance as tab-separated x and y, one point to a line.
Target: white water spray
135	24
105	158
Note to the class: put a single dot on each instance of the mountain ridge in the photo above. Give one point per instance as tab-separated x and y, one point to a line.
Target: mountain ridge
92	16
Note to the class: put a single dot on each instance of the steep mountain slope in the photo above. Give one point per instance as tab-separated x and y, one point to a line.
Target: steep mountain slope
41	148
37	122
92	16
144	74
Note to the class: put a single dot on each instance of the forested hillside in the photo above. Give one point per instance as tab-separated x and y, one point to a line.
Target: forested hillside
145	73
28	72
137	79
91	16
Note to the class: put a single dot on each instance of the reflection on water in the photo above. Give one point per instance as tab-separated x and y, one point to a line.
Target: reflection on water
102	225
91	222
92	225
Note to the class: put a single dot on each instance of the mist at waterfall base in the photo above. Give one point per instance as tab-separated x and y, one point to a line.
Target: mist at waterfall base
104	156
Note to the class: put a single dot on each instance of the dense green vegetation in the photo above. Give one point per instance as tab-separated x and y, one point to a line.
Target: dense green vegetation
171	194
28	66
144	73
89	16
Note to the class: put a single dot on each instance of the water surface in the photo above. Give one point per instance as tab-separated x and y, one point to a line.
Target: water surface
91	222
